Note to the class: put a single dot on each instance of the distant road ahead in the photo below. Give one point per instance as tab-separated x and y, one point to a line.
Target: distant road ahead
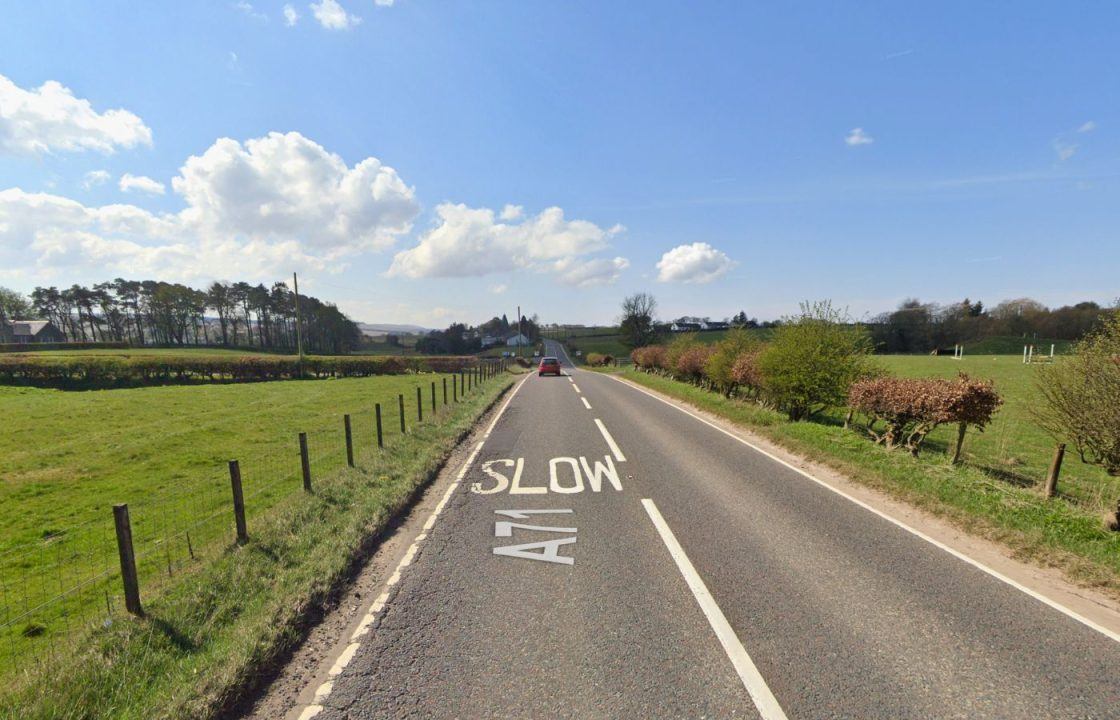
606	555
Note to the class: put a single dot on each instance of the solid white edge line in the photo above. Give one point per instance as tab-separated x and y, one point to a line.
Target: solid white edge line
913	531
752	679
610	441
314	708
585	403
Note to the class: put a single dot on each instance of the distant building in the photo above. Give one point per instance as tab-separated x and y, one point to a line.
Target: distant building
684	327
518	339
714	325
31	331
490	341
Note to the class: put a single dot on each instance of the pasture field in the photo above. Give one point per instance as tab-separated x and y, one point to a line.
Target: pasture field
69	456
185	351
1013	448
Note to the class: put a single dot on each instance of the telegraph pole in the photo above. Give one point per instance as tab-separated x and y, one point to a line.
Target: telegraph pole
519	335
299	324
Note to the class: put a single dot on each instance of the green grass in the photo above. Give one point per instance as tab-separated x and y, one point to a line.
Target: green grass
1065	532
69	456
1013	447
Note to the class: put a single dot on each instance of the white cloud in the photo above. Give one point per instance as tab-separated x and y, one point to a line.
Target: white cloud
471	242
499	288
695	263
597	271
249	10
291	16
286	186
253	210
141	183
1064	149
333	16
858	137
49	118
1087	126
384	3
94	178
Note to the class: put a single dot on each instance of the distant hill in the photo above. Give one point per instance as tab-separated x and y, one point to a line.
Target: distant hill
384	328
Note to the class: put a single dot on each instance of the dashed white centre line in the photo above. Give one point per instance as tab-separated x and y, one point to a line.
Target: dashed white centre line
575	387
753	681
585	403
610	441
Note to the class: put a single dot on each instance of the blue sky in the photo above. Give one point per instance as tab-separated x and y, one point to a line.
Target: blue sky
705	152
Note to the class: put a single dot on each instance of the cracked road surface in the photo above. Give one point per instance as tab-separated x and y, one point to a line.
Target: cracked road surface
605	555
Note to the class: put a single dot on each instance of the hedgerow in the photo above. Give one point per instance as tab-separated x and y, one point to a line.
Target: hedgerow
911	408
599	359
94	371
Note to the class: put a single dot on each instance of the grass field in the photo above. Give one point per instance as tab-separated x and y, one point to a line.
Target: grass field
143	352
1013	447
69	456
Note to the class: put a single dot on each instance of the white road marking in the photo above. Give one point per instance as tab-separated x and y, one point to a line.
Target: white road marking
311	710
575	387
585	403
753	681
610	441
913	531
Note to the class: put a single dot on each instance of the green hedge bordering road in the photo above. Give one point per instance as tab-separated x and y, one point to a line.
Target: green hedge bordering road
93	371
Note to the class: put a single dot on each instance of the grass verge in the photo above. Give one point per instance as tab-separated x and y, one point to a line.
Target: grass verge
205	636
1047	532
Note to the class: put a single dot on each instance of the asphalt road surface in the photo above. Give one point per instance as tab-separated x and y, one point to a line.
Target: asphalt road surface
606	555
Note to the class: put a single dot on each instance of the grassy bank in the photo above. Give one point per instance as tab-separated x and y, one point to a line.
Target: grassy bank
1054	532
212	623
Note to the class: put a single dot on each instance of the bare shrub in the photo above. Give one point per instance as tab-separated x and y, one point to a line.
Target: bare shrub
1081	397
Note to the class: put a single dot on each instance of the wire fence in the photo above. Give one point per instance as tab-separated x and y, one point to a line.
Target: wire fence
56	590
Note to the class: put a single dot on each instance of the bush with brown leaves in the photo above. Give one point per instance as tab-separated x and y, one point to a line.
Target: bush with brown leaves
911	408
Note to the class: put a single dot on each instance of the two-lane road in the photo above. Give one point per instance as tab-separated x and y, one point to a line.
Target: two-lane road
606	555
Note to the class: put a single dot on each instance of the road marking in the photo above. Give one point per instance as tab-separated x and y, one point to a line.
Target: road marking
575	387
1073	615
753	681
585	403
610	441
316	707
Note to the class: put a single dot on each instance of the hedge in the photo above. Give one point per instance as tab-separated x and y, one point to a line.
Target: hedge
38	347
148	370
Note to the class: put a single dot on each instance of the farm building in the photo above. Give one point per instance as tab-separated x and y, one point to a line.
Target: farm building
31	331
518	339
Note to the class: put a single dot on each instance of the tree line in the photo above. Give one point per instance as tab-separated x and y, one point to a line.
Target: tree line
152	312
915	326
922	327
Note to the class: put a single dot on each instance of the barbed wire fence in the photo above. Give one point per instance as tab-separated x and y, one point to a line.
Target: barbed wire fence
56	590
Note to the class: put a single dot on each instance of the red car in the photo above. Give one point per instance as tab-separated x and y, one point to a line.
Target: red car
549	366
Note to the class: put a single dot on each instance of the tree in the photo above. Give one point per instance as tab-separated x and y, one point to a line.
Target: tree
13	305
636	324
1082	397
813	360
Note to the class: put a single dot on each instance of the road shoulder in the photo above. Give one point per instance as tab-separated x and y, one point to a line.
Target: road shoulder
308	667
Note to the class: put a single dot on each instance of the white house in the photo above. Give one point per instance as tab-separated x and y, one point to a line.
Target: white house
518	339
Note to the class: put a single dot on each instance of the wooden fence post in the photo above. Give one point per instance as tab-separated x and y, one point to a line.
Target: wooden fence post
445	392
400	402
305	462
433	397
238	502
349	440
419	405
128	560
377	412
455	388
1051	488
962	428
